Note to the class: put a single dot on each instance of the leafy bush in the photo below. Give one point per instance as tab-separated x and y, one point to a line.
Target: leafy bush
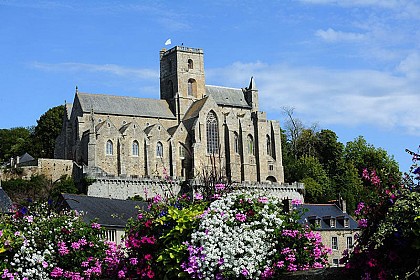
388	246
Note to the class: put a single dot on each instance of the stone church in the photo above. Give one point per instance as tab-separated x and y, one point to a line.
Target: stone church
189	129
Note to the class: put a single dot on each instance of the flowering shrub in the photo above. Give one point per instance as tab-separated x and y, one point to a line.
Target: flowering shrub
388	246
155	240
243	235
37	243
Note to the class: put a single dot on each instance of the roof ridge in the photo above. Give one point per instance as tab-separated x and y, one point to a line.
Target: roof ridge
224	87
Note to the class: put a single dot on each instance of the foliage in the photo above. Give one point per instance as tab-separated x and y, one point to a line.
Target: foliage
46	131
388	246
38	188
156	238
37	243
317	183
14	141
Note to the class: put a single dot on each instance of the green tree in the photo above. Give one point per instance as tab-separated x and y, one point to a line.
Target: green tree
364	155
14	142
46	131
309	170
329	151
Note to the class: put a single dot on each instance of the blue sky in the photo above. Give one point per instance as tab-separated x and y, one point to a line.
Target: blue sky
352	66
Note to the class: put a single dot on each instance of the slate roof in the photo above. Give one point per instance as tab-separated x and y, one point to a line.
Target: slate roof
322	211
5	201
227	96
109	212
25	158
195	109
123	105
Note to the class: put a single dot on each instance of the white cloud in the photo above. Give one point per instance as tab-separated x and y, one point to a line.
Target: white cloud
105	68
347	98
330	35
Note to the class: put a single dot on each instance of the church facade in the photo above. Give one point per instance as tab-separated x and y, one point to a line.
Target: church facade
191	128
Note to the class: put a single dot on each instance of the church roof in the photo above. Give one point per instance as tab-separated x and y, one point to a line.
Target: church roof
195	108
227	96
123	105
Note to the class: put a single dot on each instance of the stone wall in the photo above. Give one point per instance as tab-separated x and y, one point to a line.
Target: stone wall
123	188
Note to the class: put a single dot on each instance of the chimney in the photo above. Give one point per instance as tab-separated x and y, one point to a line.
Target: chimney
343	205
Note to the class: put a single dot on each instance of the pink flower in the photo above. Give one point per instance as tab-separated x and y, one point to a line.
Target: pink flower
245	272
75	245
198	196
296	202
363	223
263	199
148	257
133	261
44	264
140	216
219	187
56	272
121	274
96	226
240	217
157	198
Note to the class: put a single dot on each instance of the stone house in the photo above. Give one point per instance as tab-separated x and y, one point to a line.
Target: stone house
192	127
337	228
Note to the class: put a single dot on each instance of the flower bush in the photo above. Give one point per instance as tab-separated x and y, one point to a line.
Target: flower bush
37	243
388	246
247	236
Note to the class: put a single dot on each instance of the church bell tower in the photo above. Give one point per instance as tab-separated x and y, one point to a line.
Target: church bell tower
182	79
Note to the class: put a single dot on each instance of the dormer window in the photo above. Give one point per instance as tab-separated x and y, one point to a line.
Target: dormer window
346	222
190	64
332	222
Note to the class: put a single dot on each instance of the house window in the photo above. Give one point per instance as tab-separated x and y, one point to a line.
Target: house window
346	223
236	142
270	167
135	148
212	130
334	243
251	149
190	64
349	242
111	235
269	149
159	149
332	222
335	262
192	87
109	147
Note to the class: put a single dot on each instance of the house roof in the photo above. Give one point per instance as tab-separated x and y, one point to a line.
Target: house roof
108	212
5	201
123	105
25	158
227	96
325	212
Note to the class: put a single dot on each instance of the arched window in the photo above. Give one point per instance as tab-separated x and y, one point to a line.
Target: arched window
109	147
269	148
251	149
192	87
212	130
159	149
236	142
135	148
190	64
